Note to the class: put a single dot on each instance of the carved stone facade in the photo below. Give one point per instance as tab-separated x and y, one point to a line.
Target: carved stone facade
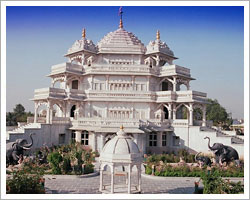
118	82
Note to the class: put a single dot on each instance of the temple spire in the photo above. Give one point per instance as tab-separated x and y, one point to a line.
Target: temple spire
158	35
120	14
83	33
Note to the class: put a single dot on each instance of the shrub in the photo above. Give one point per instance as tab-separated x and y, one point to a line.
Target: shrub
55	159
66	165
148	170
24	183
88	168
213	184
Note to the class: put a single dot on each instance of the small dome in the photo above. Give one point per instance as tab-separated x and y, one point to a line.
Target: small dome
121	149
121	41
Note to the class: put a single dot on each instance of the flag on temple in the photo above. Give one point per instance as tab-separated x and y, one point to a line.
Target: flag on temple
120	11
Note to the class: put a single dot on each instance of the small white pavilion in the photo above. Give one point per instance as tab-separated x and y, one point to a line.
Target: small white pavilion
121	151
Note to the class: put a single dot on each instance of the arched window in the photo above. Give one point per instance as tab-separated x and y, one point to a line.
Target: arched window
164	86
165	112
72	111
75	84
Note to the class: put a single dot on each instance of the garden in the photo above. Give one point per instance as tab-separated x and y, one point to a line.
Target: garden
183	164
27	177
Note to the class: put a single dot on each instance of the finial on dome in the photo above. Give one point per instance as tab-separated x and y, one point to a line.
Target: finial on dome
121	24
121	127
158	35
83	33
120	14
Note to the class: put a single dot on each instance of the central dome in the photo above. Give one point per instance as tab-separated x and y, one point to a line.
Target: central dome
121	149
121	42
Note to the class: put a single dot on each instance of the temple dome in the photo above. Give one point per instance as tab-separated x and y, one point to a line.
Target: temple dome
121	149
121	42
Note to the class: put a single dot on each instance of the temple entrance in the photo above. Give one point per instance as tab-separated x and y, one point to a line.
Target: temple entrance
72	111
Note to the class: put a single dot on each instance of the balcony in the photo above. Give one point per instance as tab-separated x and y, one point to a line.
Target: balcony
173	70
45	93
66	67
58	93
181	96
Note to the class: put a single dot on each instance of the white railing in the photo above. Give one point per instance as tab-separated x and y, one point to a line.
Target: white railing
49	92
63	67
60	120
180	122
173	70
105	122
119	68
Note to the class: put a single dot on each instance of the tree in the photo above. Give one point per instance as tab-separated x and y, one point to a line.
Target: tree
18	115
217	113
19	110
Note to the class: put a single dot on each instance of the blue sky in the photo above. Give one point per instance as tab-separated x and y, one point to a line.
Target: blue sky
208	40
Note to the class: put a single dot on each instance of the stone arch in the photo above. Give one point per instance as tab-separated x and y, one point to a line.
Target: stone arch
182	111
57	110
166	113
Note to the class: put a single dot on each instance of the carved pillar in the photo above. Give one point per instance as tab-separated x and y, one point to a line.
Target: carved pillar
48	113
204	115
174	84
107	82
174	111
191	115
102	137
78	136
133	82
148	81
94	141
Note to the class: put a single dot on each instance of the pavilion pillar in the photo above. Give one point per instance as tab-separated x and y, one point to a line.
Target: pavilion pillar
129	178
204	115
112	179
35	114
78	136
139	177
101	180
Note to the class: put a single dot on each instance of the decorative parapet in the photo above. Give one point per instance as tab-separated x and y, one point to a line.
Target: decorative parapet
44	93
66	67
173	70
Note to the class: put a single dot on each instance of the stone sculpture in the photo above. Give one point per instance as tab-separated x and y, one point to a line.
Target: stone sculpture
15	150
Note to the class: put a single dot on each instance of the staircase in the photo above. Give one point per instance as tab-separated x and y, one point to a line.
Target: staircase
21	129
219	133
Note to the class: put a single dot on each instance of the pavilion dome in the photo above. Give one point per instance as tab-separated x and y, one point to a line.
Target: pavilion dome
121	149
121	42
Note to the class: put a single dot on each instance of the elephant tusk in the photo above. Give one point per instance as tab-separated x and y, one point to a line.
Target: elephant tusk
26	148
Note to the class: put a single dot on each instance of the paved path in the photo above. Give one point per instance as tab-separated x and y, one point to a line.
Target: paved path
89	185
72	184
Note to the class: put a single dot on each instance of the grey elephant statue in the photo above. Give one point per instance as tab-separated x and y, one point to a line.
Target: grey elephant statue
203	160
223	153
15	150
